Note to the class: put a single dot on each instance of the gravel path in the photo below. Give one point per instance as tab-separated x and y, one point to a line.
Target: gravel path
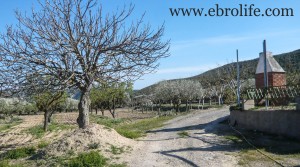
202	147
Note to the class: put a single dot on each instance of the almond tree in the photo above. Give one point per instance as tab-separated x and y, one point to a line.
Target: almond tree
76	45
199	93
47	102
178	91
108	96
189	91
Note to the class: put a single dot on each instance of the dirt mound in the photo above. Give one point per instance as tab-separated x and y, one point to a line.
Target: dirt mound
93	137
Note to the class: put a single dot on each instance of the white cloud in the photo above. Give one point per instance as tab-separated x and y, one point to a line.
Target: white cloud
231	39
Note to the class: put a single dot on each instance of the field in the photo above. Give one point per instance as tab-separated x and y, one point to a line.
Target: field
198	137
26	132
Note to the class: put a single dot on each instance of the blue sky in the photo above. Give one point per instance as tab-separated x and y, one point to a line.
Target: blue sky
200	43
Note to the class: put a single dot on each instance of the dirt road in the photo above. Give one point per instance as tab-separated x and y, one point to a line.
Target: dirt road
201	146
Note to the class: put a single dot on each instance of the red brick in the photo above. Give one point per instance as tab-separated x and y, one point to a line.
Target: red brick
274	79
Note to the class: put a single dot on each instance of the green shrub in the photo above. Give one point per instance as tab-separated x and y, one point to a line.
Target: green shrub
36	131
116	150
131	134
30	108
5	127
118	165
139	129
109	122
5	163
183	134
42	144
233	138
93	159
20	153
71	152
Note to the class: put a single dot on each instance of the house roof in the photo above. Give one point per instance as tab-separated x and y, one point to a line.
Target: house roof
272	64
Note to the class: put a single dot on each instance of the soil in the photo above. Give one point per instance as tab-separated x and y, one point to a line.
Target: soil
17	137
195	139
94	137
200	147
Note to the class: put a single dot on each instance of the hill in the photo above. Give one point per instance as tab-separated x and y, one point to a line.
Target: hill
290	62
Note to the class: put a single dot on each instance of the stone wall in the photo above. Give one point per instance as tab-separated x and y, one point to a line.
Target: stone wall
285	123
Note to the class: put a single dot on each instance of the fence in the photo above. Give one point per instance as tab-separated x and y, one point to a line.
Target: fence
273	92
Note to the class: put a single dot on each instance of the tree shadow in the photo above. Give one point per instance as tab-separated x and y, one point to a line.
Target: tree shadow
214	142
273	144
171	153
204	127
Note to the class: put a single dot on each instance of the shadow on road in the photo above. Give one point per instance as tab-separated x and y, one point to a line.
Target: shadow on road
223	138
171	153
206	127
213	142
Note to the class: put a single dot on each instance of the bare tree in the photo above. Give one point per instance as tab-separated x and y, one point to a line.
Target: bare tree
224	78
76	45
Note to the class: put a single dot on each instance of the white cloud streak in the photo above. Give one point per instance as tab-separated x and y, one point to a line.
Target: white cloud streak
230	39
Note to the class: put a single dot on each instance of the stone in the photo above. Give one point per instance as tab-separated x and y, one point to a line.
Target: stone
248	104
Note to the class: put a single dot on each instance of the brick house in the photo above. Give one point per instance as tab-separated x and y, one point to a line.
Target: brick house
276	74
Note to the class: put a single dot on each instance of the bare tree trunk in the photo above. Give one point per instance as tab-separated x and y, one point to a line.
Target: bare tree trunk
50	116
46	117
83	107
159	106
113	109
177	108
102	111
186	106
174	107
96	111
202	103
133	107
112	112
